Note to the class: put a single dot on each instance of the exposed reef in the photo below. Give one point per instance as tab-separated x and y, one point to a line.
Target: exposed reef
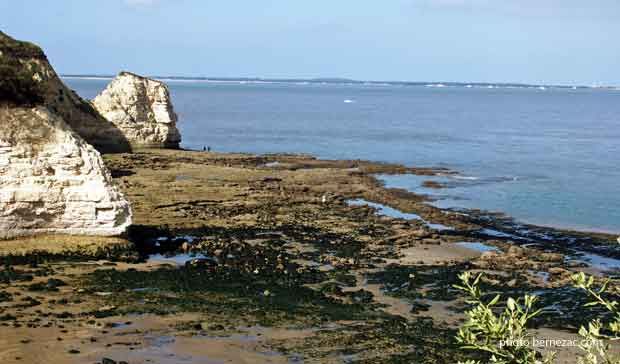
267	259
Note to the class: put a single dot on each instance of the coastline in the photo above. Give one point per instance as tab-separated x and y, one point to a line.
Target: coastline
286	254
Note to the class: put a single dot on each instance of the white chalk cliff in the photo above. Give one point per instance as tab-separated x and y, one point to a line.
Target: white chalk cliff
51	179
141	108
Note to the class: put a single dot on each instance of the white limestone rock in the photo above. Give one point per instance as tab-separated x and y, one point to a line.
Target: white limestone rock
52	180
141	108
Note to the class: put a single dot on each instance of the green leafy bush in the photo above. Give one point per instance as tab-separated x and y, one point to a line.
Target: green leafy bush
598	336
501	334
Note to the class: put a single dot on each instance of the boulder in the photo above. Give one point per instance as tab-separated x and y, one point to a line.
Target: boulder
52	180
141	108
26	77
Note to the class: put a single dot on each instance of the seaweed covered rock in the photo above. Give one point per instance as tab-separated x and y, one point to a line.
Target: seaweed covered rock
27	78
52	180
141	108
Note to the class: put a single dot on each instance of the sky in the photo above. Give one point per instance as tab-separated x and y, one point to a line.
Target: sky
530	41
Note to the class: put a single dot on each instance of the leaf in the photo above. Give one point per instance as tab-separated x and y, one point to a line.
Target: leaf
459	287
494	301
477	280
511	304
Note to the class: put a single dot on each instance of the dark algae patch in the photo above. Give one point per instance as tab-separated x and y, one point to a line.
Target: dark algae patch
416	282
386	340
258	283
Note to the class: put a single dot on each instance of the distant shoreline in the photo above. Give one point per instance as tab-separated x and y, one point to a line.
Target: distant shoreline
344	81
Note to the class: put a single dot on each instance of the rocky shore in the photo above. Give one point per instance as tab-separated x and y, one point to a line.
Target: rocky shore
280	259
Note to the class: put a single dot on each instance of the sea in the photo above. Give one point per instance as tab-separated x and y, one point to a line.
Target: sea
544	155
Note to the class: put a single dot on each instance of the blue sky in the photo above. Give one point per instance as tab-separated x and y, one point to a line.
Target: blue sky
533	41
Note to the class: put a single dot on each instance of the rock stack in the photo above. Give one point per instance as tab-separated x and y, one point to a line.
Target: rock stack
52	180
141	109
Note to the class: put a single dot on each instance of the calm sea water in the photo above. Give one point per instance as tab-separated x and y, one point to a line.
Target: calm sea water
550	157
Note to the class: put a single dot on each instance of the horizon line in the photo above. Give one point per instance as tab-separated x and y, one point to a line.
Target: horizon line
342	80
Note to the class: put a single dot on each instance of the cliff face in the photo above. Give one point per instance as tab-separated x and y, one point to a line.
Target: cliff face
141	108
26	77
51	179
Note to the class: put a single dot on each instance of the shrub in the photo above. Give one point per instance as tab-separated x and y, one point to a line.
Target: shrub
501	335
597	337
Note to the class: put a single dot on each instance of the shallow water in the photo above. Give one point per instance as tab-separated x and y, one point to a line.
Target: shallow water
392	212
385	210
548	157
179	259
600	262
479	247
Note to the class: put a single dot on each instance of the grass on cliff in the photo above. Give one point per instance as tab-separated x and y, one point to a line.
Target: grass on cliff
17	75
19	49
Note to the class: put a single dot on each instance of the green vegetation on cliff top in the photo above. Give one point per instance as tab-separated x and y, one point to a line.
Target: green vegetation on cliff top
17	75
